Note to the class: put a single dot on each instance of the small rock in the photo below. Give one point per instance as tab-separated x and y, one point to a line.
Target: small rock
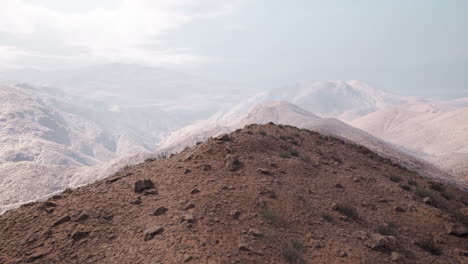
254	232
270	194
188	218
398	209
160	211
188	206
395	256
273	164
187	258
342	254
186	171
361	235
223	137
206	167
264	171
232	162
151	192
194	191
152	232
457	230
62	220
427	200
136	201
235	214
338	185
142	185
82	217
244	247
77	235
356	179
378	242
228	187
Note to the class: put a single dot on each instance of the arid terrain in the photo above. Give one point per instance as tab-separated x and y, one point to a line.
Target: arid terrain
262	194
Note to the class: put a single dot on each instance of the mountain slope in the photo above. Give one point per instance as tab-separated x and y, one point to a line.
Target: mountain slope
289	114
439	135
239	199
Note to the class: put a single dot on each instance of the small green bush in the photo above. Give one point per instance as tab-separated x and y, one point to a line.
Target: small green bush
327	217
446	195
423	193
292	256
294	153
263	133
412	182
297	245
285	154
437	186
270	215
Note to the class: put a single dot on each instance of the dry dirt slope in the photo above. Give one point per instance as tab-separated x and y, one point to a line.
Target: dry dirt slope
264	194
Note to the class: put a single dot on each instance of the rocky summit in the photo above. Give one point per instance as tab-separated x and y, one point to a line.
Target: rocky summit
262	194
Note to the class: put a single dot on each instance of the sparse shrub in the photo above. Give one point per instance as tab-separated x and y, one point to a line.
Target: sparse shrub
387	230
282	137
294	142
437	186
150	159
294	153
446	195
405	187
270	215
395	178
430	246
68	190
306	159
412	182
263	133
353	167
296	135
297	245
423	193
327	217
250	132
285	154
292	256
347	210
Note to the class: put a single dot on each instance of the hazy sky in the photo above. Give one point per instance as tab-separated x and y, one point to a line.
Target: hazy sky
416	47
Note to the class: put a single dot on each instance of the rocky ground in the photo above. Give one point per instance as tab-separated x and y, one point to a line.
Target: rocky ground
263	194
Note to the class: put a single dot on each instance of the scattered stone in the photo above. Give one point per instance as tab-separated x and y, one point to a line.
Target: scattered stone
229	187
62	220
223	137
427	200
235	214
378	242
188	218
243	247
152	232
356	179
186	171
206	167
334	206
339	186
187	258
395	256
361	235
254	232
188	206
270	194
264	171
142	185
457	230
151	192
194	191
273	164
160	211
341	253
383	200
398	209
82	217
136	201
232	162
78	235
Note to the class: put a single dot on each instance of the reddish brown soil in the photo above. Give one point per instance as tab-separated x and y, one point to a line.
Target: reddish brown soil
214	215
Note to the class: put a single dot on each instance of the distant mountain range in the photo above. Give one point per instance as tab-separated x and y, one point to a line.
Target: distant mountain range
72	127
